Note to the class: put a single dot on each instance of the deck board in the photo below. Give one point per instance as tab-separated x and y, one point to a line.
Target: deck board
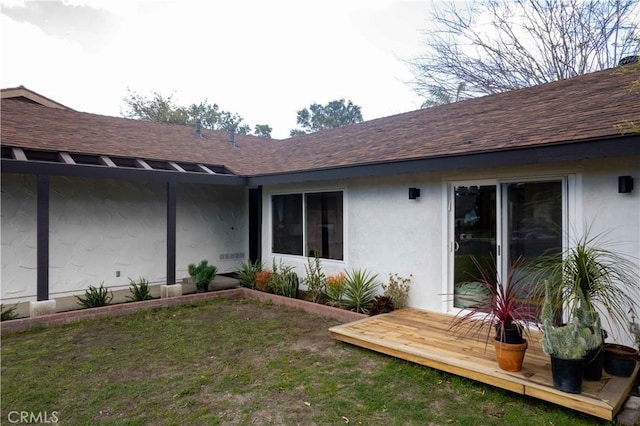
425	338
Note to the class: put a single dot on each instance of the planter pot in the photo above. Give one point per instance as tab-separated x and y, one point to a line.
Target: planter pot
510	356
202	288
619	360
567	374
593	364
512	335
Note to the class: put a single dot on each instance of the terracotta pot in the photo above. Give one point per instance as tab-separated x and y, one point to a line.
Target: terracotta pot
619	360
510	356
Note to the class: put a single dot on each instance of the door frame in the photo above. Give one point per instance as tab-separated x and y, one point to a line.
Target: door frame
570	183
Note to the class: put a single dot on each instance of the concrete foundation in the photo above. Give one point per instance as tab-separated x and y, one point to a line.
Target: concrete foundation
172	290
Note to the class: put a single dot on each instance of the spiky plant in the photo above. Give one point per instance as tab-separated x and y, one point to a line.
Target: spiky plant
360	289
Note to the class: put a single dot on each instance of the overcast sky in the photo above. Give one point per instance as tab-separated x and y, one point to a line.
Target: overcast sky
262	59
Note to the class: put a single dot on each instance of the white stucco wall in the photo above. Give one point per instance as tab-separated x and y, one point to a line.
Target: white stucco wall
100	226
388	233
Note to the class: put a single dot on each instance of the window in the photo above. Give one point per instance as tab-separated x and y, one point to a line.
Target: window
310	223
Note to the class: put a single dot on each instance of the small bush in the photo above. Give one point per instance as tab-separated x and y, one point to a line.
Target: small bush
140	290
202	274
315	280
360	289
8	313
381	305
95	297
262	280
247	273
397	290
335	289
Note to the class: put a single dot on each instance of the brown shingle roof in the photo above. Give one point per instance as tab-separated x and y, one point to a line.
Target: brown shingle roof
580	109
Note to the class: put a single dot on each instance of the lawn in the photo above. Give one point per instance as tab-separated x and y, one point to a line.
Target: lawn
238	362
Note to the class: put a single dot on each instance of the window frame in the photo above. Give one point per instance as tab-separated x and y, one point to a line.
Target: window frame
305	241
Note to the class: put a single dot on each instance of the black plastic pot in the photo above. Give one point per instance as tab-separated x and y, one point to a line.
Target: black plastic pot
619	360
567	374
593	364
511	335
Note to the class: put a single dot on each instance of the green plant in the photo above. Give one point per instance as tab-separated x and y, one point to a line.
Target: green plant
246	274
202	274
315	280
360	289
8	313
573	339
262	280
283	280
335	286
139	290
397	290
381	305
498	305
95	297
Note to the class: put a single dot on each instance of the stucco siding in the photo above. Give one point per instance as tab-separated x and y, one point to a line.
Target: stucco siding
18	229
101	228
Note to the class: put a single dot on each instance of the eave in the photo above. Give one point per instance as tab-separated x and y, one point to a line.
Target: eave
542	154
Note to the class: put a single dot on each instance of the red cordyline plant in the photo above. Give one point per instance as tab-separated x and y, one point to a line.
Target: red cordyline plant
501	305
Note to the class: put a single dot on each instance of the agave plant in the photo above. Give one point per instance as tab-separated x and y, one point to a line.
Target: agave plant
360	289
498	306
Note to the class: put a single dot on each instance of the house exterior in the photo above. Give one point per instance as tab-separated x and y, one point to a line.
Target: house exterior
89	199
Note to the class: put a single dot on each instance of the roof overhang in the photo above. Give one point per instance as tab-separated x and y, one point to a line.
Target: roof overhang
18	160
617	147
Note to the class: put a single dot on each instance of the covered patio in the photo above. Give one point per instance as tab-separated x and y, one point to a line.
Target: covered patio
424	337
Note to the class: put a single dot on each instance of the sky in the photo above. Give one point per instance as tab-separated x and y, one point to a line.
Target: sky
261	59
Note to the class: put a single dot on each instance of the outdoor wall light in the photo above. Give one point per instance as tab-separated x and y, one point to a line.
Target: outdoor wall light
414	193
625	184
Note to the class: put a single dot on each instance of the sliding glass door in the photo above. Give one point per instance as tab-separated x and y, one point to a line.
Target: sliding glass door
495	223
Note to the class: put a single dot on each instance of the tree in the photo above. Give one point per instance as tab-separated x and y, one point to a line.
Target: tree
319	117
163	109
494	46
263	130
632	66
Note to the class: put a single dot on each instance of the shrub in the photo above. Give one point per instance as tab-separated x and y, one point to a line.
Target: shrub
335	288
140	290
315	280
8	313
247	273
381	305
397	290
262	280
283	280
202	274
95	297
360	289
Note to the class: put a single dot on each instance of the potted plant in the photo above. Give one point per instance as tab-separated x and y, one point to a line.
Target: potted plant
592	276
202	274
568	344
499	306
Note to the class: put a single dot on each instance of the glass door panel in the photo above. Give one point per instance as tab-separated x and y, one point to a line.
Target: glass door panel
474	237
533	225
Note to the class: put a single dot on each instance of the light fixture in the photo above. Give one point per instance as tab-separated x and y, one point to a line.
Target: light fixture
625	184
414	193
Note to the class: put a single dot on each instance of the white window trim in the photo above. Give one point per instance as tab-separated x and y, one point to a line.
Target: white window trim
304	223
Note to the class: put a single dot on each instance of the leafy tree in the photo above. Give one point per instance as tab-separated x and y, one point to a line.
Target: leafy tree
263	130
631	126
163	109
495	46
319	117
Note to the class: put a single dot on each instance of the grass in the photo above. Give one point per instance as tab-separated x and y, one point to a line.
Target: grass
227	362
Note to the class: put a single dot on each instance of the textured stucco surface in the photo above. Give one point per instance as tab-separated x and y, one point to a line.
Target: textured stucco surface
100	226
388	233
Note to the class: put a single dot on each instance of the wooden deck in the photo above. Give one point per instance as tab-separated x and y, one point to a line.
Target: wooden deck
424	337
